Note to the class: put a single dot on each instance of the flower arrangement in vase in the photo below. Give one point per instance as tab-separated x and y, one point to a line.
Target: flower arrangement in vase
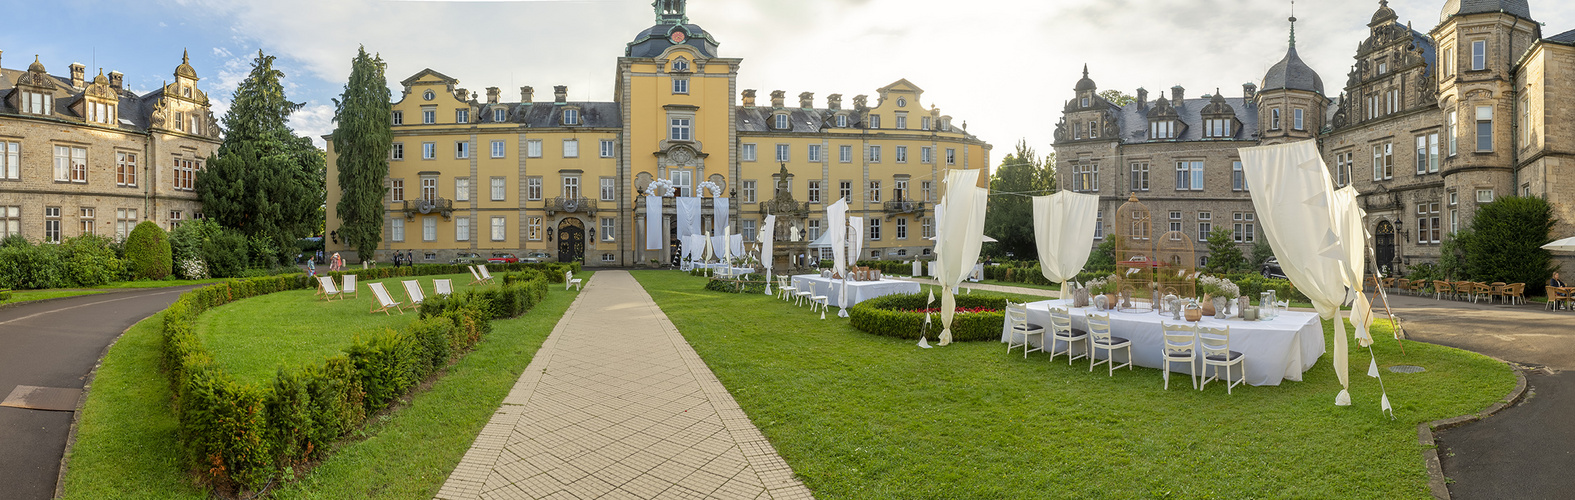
1217	295
1102	289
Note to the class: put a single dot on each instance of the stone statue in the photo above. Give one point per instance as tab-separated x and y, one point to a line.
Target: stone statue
792	233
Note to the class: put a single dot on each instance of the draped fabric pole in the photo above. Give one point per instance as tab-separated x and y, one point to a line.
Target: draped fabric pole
959	219
836	215
855	245
768	232
688	216
1064	234
719	212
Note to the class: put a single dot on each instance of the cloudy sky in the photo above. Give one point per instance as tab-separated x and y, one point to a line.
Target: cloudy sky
1004	66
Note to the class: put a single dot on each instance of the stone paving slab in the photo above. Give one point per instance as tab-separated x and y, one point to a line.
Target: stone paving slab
617	405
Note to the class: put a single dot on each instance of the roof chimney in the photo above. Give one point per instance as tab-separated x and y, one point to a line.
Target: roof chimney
777	97
462	94
492	95
77	73
2	52
560	94
834	101
806	100
749	98
115	79
1248	90
525	94
1176	95
1142	97
861	102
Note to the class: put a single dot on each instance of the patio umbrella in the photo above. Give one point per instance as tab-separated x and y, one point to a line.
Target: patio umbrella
1566	244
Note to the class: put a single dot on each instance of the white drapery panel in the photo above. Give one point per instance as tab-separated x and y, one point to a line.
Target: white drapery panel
1064	233
697	245
836	217
1348	224
687	209
653	223
768	232
719	213
855	245
709	250
959	220
1294	199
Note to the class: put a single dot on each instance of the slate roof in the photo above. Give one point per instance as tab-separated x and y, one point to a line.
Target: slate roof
137	110
1518	8
653	41
1134	120
547	114
1567	37
1292	73
802	120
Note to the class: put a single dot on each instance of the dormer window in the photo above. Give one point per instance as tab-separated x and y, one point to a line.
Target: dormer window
571	116
781	122
186	91
499	115
842	121
681	64
1163	129
99	112
1218	128
1274	119
1083	102
38	103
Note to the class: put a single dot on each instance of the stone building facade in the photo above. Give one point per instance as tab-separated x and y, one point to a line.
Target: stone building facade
1427	127
566	180
82	155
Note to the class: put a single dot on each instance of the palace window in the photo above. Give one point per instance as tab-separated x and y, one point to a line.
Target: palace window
1484	196
1163	129
10	160
899	188
461	116
747	229
902	154
70	164
683	181
461	149
926	193
1093	130
842	121
1085	177
902	228
1274	120
533	148
125	169
497	149
462	229
874	223
1175	225
462	189
927	228
428	150
1342	169
902	120
52	224
396	230
781	122
1383	161
186	174
99	112
1238	179
1453	131
1478	55
680	129
845	154
874	121
1099	225
86	216
812	229
951	156
429	187
37	103
533	189
125	221
680	64
571	187
845	190
874	154
1205	225
396	190
926	154
1218	128
1297	120
1454	213
608	188
428	116
571	116
749	191
746	152
783	152
607	148
533	228
399	117
1189	176
397	153
874	192
500	228
1139	176
813	153
814	191
1427	223
924	123
499	115
608	230
571	148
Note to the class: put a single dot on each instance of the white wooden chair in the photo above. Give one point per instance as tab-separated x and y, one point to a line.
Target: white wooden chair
413	290
326	288
1101	339
570	281
784	288
384	300
349	288
475	277
1017	322
1180	345
1061	331
486	277
799	296
1214	348
442	287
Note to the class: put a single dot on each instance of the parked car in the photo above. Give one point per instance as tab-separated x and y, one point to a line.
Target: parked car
1271	268
503	258
469	258
537	257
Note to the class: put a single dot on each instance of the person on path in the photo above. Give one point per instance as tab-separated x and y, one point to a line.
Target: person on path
311	268
338	263
1555	281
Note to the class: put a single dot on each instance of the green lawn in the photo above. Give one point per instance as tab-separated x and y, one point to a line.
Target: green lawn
126	444
862	416
164	283
53	293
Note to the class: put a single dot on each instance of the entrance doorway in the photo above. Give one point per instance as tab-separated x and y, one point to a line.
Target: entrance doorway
1384	245
571	240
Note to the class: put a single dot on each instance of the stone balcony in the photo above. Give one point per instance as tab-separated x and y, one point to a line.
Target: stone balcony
571	204
424	206
904	207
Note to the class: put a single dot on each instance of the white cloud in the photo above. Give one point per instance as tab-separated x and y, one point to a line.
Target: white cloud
313	120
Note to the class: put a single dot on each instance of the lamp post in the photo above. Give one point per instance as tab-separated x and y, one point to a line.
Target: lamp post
549	234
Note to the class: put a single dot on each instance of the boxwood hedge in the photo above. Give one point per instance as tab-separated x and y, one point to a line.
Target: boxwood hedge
894	316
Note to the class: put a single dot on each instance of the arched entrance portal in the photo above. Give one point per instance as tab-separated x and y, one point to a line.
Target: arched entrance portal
1384	245
571	240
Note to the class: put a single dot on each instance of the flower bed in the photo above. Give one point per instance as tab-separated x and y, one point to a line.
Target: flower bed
978	317
741	285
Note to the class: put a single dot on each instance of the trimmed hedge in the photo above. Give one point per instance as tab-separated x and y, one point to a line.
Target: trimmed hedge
891	316
237	437
730	285
148	251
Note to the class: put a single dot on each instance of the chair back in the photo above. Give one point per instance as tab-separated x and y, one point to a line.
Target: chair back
328	284
1180	340
1441	286
484	273
473	273
413	289
349	283
383	298
442	287
1017	315
1099	327
1061	321
1214	341
1517	289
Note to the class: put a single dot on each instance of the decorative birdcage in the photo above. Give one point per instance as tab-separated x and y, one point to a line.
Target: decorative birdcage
1134	255
1174	274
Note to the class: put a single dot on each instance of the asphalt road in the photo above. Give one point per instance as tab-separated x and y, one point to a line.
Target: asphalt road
55	343
1524	451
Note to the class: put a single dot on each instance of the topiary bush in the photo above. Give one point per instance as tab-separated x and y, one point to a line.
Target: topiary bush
896	316
148	252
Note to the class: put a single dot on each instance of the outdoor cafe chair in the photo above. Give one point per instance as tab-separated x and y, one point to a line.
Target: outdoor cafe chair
442	287
1442	288
1557	296
799	296
1480	290
784	289
349	288
1180	344
413	290
1018	326
1214	348
1099	332
326	288
1061	331
1499	288
1402	285
384	300
1515	293
1463	290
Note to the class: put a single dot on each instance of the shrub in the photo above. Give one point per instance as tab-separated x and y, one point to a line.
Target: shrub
1507	242
749	284
91	261
894	316
387	365
26	266
226	254
148	252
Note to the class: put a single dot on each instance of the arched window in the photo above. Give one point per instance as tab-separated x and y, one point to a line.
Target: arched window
428	95
902	102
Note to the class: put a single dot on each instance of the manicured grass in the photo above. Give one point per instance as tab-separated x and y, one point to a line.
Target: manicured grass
126	445
862	416
253	338
53	293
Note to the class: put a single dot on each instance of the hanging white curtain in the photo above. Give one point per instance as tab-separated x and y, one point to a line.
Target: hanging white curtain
959	220
1294	199
836	218
768	232
708	248
719	212
735	243
697	245
687	209
653	223
727	246
855	244
1348	224
1064	233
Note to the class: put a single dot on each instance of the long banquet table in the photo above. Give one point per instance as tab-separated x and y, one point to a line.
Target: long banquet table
1280	349
858	291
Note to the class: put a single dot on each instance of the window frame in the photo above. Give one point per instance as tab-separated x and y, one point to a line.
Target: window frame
608	188
499	228
533	148
813	195
607	148
499	148
462	116
812	153
497	187
784	152
748	151
845	153
571	148
1484	125
1478	55
461	189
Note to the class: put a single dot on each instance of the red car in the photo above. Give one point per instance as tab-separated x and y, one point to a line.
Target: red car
503	258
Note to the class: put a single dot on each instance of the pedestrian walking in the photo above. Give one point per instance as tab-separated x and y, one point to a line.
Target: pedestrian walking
311	268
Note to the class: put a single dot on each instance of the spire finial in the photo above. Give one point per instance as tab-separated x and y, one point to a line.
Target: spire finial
1085	70
1293	23
184	58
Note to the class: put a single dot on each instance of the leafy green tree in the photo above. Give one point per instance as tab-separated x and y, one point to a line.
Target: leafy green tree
1103	258
363	139
265	181
1261	252
1009	217
1224	256
1117	97
1508	239
148	251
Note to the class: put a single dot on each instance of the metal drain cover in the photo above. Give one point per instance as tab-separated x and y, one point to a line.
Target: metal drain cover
1407	369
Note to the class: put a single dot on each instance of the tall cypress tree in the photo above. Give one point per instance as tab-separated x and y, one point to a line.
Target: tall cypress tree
265	181
363	138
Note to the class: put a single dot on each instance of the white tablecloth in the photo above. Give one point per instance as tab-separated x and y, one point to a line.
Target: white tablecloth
723	268
858	291
1275	350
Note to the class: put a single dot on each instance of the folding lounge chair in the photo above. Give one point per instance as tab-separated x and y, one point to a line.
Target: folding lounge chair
325	288
413	290
569	280
384	300
475	277
349	288
486	277
442	287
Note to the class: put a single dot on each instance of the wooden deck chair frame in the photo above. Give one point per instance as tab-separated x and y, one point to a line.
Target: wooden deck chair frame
1100	338
442	287
1061	331
385	301
349	287
326	288
486	277
1179	345
475	277
1214	350
1017	323
414	292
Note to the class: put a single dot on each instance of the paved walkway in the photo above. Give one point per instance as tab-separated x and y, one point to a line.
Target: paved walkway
55	343
617	405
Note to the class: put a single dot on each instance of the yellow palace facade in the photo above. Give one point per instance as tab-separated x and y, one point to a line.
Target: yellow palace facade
561	180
